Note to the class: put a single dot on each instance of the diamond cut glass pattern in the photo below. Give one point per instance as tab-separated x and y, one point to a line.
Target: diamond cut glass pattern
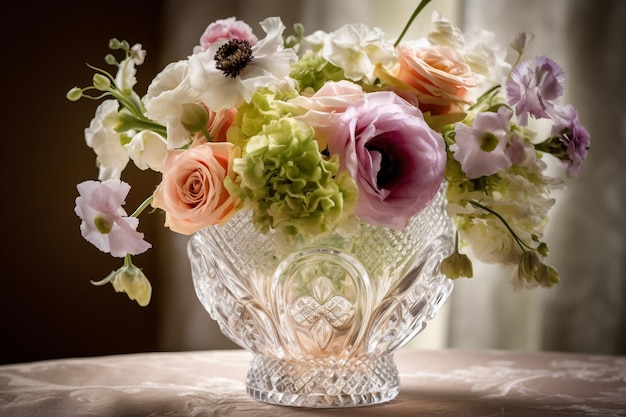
323	317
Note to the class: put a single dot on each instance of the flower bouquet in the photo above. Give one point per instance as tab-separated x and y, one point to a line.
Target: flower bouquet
320	136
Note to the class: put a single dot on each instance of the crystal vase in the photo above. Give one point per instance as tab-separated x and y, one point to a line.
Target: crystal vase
323	317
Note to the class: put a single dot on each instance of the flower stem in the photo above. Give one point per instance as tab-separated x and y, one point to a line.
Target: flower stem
523	245
417	11
143	206
486	95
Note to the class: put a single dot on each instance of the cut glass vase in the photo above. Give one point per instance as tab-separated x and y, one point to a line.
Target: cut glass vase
323	317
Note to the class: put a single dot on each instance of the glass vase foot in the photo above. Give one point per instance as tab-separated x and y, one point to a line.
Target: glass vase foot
323	382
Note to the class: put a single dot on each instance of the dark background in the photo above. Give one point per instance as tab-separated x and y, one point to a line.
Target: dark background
48	308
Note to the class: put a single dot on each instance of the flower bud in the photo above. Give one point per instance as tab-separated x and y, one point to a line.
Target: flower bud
457	265
547	275
133	282
74	94
115	43
101	82
528	265
110	59
521	41
194	117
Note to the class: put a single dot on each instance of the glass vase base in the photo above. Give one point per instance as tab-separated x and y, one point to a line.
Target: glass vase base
323	382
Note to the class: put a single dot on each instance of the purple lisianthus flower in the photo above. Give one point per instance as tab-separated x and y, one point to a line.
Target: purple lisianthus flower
104	221
482	148
395	158
535	90
573	136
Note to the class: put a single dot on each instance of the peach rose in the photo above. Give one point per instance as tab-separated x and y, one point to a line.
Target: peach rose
440	76
192	191
219	122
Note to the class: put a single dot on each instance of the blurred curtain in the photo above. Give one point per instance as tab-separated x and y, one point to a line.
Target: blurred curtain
586	235
587	231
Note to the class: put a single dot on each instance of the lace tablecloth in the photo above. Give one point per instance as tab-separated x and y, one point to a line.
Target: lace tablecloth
433	383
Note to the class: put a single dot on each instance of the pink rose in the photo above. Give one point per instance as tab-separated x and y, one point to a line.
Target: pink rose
223	30
396	159
440	76
192	191
333	96
326	106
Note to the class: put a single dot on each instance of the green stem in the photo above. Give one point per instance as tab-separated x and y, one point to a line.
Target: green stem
206	134
130	121
143	206
127	261
519	241
127	102
484	96
417	11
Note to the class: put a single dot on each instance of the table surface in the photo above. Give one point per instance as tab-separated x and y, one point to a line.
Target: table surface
211	383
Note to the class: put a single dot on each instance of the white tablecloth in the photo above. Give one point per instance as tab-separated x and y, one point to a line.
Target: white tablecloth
433	383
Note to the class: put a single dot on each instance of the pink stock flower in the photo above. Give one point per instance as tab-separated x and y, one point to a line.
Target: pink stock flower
396	159
104	221
223	30
481	148
192	191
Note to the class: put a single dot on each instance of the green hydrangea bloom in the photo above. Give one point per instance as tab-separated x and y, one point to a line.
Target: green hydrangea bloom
288	183
264	106
312	71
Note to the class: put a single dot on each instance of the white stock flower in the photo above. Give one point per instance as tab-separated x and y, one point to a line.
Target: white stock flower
444	33
490	241
480	49
165	100
111	157
314	42
486	57
356	49
125	78
268	64
521	197
147	150
137	53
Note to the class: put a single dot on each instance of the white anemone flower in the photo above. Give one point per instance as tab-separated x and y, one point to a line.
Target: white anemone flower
229	72
165	100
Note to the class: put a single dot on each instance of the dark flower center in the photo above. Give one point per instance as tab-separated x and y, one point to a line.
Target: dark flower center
233	56
386	174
